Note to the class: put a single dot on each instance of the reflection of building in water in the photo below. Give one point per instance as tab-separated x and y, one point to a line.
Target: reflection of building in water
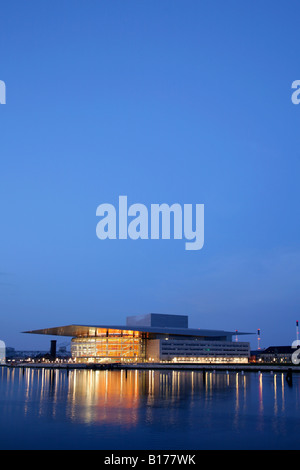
121	397
117	397
103	396
151	338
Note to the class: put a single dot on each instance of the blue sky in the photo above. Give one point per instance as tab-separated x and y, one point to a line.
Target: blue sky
163	101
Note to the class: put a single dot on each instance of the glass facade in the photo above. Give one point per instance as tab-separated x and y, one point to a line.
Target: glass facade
109	346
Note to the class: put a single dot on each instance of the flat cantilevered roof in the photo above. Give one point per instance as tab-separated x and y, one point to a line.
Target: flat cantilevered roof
90	330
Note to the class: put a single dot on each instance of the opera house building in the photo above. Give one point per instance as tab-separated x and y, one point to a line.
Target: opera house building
151	338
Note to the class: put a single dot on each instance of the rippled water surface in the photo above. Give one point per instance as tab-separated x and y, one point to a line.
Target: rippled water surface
151	410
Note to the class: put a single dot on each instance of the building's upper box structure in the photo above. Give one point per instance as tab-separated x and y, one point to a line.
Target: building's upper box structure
159	320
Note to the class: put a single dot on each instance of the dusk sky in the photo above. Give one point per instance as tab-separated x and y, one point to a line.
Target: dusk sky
163	101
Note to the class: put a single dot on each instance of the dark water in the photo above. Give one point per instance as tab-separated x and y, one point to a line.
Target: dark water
112	410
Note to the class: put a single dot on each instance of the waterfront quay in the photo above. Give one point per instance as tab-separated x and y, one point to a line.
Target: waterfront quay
249	367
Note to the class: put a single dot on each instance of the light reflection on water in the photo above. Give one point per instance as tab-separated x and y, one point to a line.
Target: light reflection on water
87	409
